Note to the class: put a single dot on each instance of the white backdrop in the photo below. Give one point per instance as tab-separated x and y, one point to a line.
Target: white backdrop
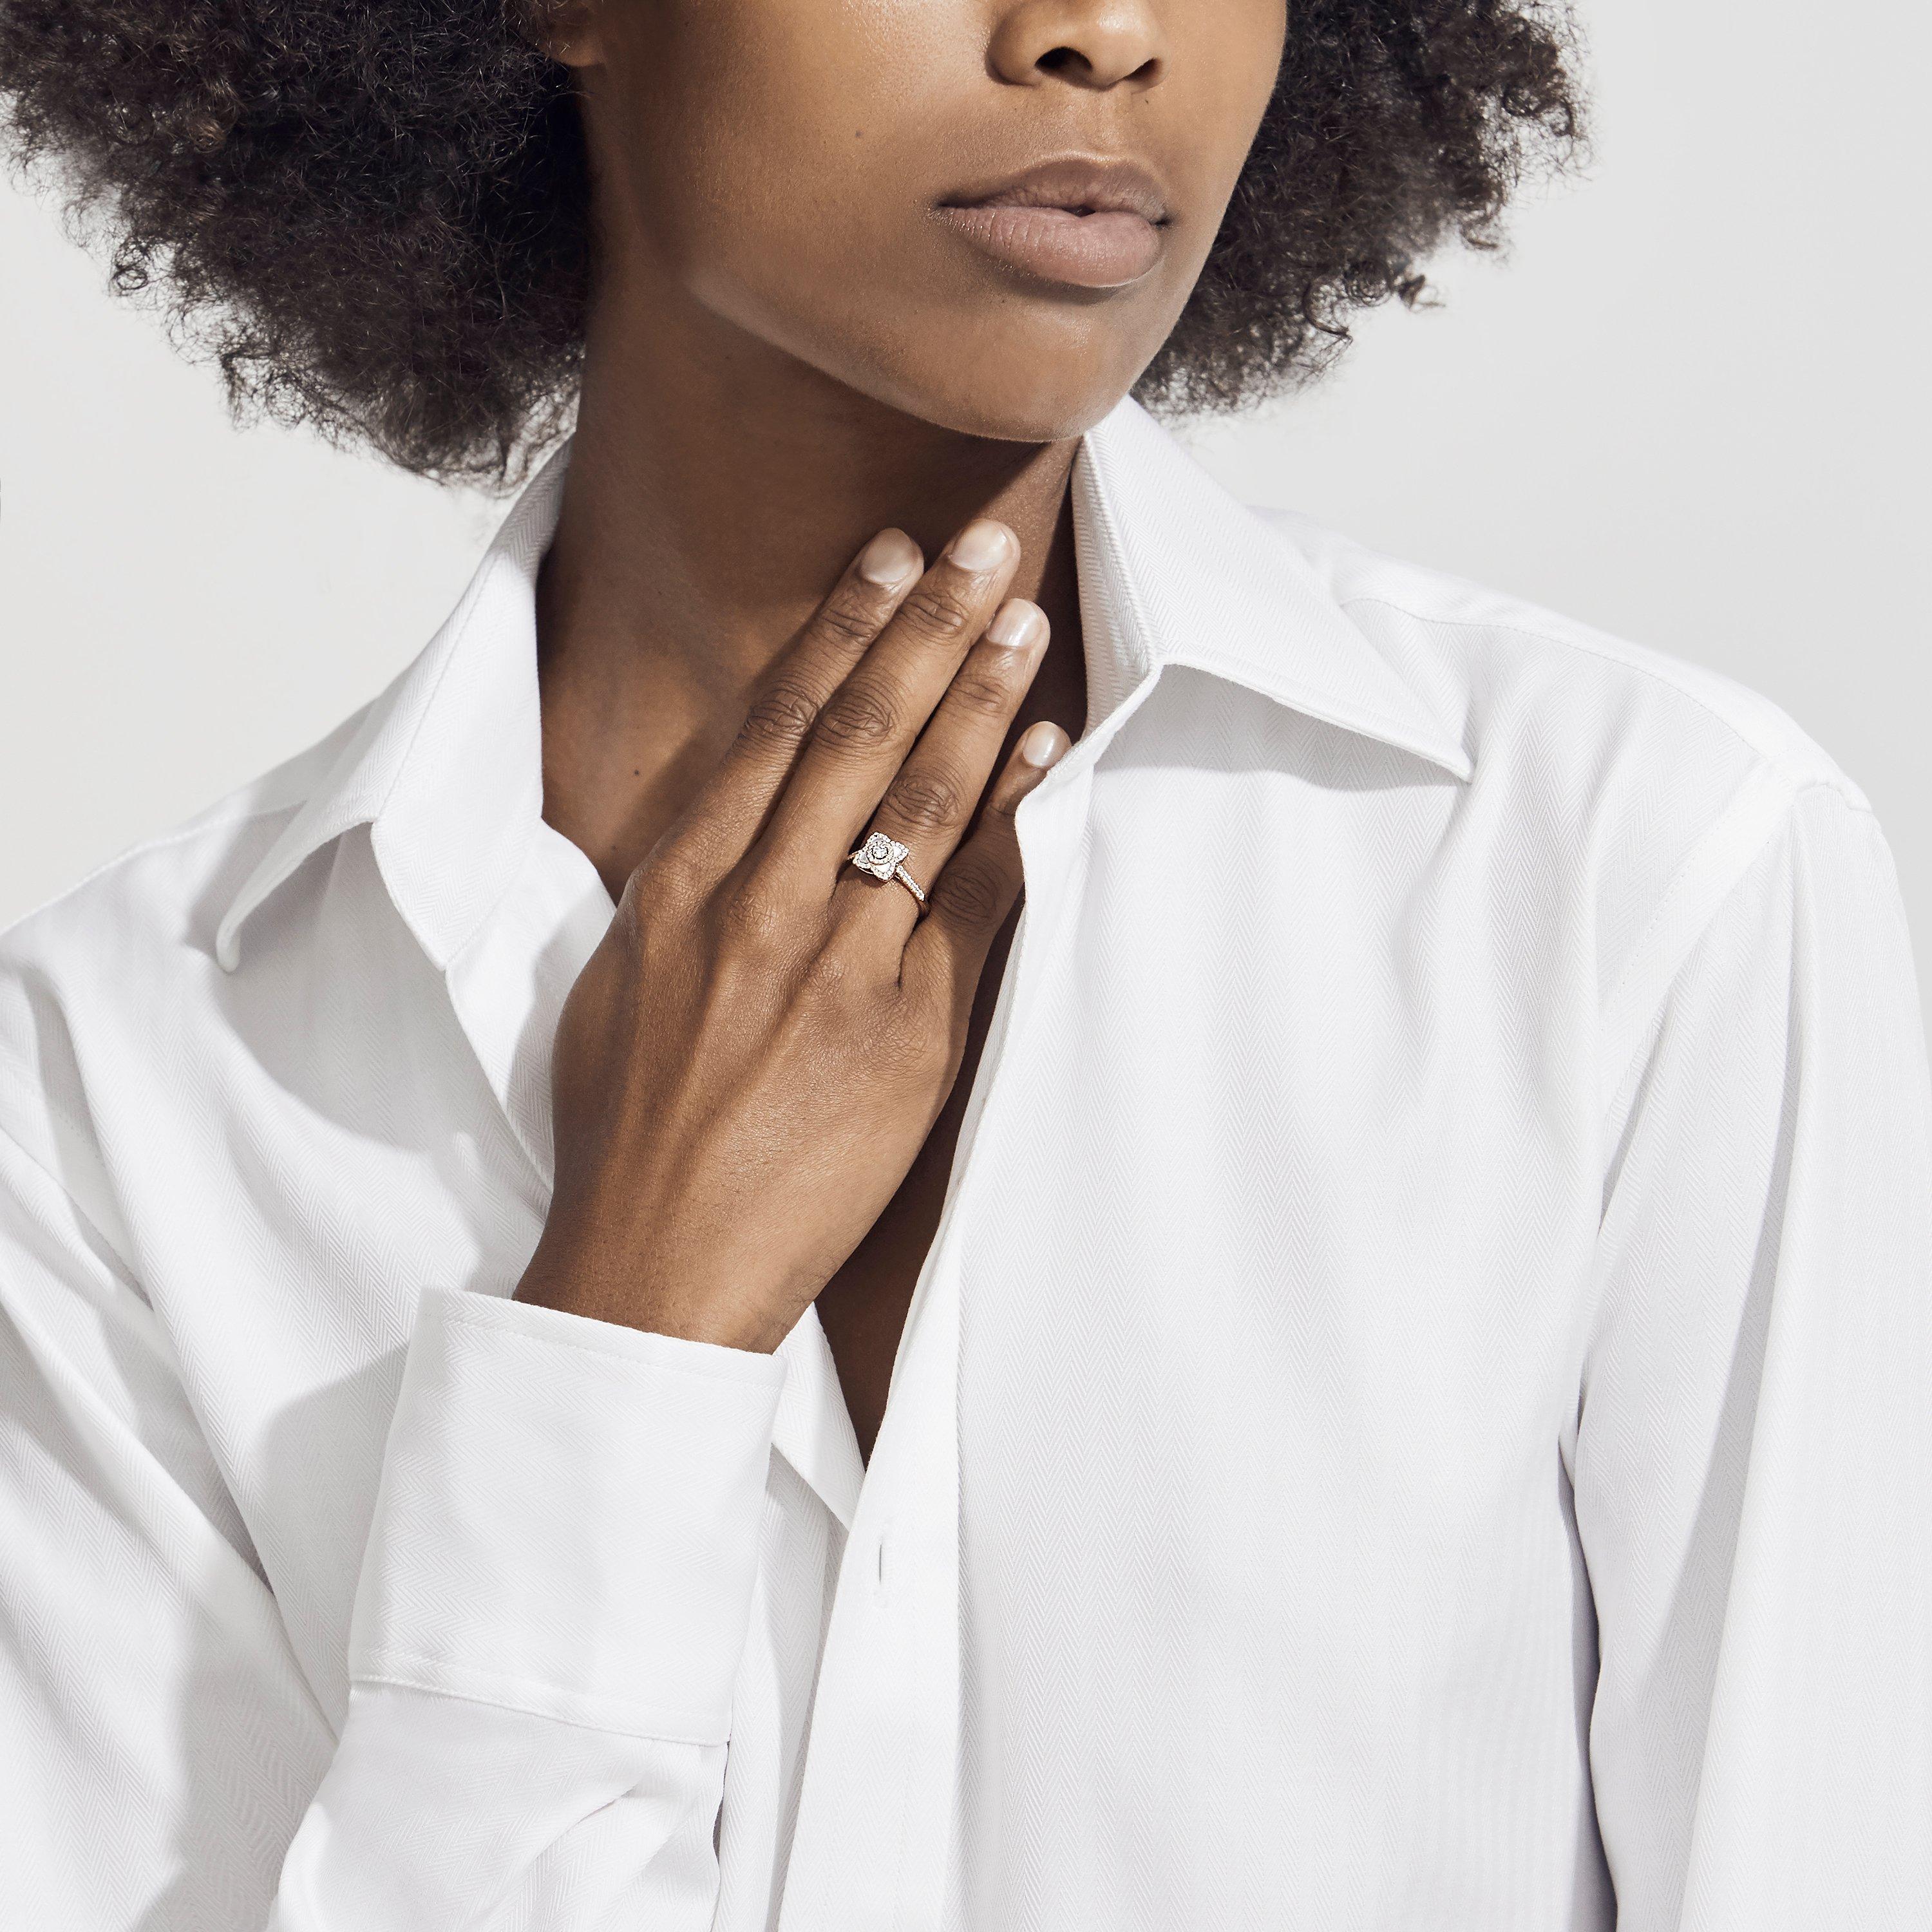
1689	408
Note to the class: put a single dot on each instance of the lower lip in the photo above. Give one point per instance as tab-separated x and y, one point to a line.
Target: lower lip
1105	250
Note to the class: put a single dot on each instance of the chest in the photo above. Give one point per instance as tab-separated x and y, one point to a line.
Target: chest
1276	1180
863	1307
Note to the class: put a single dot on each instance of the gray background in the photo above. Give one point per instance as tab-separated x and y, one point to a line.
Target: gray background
1689	406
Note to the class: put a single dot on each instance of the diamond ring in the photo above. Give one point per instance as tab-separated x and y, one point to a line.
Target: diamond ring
881	857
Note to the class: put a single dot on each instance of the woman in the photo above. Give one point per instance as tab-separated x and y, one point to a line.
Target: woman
1357	1361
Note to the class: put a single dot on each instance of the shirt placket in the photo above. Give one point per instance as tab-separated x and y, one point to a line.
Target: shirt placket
870	1848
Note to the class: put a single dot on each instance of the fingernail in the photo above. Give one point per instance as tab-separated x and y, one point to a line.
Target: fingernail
890	557
1016	624
981	545
1043	744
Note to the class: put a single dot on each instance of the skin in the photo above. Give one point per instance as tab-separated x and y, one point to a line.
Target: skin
759	1078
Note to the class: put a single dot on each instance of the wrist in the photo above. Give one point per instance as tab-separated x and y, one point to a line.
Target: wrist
575	1288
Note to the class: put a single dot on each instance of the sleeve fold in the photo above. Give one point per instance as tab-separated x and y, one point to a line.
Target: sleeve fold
549	1619
1752	1464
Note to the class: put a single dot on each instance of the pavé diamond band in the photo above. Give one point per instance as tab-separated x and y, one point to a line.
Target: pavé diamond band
881	857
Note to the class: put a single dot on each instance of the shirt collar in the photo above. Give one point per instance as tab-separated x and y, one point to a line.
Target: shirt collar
446	765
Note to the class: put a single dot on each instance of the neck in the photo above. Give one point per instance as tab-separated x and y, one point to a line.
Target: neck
717	486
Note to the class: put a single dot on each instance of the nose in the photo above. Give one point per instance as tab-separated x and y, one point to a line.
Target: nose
1091	43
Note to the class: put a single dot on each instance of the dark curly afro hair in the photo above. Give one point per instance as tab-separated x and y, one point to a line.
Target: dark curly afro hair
372	212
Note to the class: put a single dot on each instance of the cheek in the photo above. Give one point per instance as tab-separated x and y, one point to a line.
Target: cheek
787	189
765	155
796	218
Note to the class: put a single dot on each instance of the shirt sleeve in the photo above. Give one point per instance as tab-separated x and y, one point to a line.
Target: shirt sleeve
1752	1464
549	1618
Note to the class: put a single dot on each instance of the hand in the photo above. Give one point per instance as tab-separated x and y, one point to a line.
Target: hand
752	1058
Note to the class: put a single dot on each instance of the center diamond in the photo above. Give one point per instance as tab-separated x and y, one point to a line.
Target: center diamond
879	855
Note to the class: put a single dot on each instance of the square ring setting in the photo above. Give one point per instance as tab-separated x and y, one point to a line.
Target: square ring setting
879	856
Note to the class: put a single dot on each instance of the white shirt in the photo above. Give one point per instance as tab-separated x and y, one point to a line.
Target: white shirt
1416	1415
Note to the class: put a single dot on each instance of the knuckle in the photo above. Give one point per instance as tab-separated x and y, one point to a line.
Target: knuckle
830	974
996	820
671	882
969	892
927	801
983	691
753	916
627	929
779	718
850	620
860	719
938	610
844	983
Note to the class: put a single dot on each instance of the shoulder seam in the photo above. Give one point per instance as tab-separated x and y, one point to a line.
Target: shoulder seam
1852	794
1778	826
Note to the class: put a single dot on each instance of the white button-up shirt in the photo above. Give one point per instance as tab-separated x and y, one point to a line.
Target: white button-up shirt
1416	1415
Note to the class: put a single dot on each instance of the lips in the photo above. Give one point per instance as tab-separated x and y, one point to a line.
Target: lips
1092	224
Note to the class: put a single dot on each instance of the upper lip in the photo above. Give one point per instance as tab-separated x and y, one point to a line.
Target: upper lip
1077	181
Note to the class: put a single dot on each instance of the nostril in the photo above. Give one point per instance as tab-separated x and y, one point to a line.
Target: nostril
1072	61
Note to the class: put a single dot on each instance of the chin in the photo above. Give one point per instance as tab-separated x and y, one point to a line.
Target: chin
1014	421
1017	390
994	358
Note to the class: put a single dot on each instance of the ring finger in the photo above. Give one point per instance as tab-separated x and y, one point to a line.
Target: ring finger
928	804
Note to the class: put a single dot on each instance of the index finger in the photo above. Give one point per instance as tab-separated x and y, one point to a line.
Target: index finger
725	813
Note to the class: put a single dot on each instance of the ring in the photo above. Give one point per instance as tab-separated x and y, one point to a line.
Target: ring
881	857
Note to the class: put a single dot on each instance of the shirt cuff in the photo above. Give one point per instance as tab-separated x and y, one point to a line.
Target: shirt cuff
568	1519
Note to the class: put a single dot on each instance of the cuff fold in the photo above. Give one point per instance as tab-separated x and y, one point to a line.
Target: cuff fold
568	1519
